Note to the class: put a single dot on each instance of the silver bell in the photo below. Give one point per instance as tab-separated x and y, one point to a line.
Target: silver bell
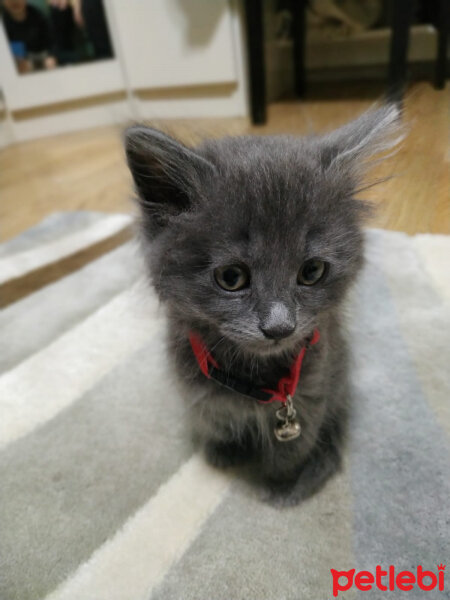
287	431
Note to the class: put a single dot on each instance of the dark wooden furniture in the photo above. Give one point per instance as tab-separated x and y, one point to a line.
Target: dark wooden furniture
401	17
443	42
256	67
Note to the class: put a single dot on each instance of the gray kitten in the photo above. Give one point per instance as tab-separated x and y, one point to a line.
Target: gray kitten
252	243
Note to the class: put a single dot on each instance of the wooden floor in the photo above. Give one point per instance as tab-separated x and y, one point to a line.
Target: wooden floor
86	170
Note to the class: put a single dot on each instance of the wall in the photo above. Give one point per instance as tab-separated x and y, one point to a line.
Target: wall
174	58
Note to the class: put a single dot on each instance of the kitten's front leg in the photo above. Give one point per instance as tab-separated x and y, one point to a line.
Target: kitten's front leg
226	437
290	481
229	452
226	454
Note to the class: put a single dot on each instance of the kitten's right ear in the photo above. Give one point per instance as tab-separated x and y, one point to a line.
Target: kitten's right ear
167	175
352	146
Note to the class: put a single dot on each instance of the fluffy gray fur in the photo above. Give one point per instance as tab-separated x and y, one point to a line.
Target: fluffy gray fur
269	203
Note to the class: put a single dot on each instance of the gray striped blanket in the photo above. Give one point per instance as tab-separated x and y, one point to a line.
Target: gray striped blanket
102	496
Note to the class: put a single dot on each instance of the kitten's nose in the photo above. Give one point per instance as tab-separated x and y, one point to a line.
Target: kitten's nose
279	323
279	332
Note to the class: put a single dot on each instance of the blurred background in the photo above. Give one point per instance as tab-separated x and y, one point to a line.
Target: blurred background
74	72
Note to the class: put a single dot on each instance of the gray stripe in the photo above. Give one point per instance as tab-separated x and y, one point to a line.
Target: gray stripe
424	319
29	325
71	484
400	454
52	228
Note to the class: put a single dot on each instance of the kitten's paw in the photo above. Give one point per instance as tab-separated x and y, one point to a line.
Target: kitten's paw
224	455
311	478
282	495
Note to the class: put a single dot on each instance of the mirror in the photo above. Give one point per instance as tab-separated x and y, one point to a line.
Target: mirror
47	34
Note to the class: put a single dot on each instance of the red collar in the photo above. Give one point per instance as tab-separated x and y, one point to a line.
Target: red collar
286	385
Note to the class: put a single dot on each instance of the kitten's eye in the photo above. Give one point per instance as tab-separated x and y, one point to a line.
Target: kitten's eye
311	271
231	277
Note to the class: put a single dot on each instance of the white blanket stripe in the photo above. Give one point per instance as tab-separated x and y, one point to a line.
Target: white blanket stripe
434	250
135	560
50	380
21	263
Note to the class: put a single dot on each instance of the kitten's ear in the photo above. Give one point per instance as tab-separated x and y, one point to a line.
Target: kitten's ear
353	144
167	174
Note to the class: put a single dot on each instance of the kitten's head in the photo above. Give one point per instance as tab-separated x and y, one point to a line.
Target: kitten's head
254	238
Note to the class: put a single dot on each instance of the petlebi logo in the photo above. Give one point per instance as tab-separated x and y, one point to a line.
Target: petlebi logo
388	580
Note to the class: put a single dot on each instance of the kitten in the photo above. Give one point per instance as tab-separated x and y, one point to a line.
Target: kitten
252	243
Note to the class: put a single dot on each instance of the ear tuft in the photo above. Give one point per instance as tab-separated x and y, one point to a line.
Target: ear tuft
352	145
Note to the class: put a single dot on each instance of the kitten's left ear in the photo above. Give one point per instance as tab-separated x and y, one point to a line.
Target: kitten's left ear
350	146
167	174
